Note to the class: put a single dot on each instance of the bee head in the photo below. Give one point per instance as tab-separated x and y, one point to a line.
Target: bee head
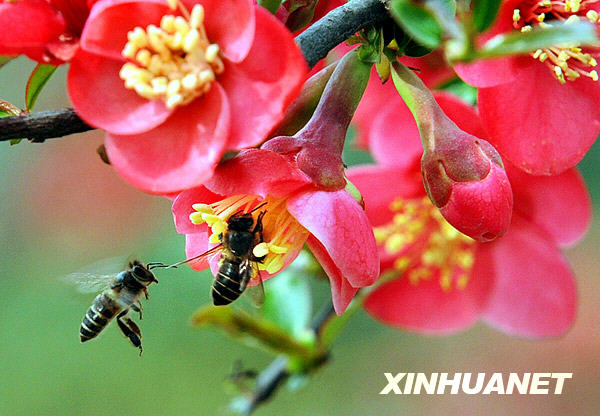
243	222
142	274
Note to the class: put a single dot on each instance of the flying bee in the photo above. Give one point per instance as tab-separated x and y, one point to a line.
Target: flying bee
121	293
237	265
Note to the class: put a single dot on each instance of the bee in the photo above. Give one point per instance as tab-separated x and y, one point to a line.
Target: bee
121	293
237	265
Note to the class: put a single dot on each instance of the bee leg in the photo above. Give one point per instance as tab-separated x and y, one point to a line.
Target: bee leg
146	293
130	330
258	228
137	308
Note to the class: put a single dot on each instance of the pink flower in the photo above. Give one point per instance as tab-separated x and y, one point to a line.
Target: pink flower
332	223
443	281
45	31
540	110
175	89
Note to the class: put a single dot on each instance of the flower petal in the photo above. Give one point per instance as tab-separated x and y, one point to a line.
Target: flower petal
180	153
394	138
534	293
230	24
100	98
342	292
182	208
105	32
340	224
370	104
379	186
541	126
487	72
18	28
260	87
425	307
196	244
560	204
258	172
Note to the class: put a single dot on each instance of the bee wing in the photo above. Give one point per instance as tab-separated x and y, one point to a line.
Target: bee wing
256	294
90	282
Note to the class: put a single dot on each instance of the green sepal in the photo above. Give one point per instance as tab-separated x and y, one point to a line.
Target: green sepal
37	80
270	5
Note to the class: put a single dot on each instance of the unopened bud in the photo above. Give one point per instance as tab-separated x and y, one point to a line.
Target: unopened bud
465	178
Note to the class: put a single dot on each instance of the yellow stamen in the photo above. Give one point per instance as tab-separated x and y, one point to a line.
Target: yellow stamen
426	245
558	58
176	54
282	234
516	15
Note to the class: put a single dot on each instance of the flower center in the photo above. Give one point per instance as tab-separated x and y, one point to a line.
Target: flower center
567	62
425	245
175	62
282	234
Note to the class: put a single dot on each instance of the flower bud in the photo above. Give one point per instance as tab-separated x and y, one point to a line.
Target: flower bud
465	178
317	147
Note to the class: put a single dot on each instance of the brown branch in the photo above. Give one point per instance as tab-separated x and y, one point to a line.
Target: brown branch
40	126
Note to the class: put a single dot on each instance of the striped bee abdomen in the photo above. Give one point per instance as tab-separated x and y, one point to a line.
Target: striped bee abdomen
98	316
226	286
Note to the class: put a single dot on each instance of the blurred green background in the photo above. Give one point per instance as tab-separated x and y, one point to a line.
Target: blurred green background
62	209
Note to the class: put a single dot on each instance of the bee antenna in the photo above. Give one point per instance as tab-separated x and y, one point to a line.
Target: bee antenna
249	212
156	265
258	207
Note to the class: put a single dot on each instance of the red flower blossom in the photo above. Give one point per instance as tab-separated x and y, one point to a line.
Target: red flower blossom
520	283
175	89
332	223
540	110
46	31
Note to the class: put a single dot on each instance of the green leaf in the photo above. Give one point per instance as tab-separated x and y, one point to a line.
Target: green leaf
484	13
270	5
417	22
288	303
37	80
578	33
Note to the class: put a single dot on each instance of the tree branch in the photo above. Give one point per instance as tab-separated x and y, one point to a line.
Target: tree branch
315	43
43	125
272	377
337	26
